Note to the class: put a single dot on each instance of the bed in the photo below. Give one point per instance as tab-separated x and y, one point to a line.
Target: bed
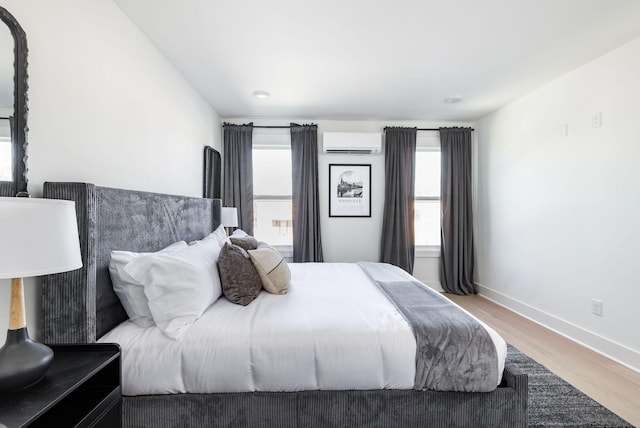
81	307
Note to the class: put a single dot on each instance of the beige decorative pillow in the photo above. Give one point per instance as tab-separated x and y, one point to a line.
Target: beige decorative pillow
272	268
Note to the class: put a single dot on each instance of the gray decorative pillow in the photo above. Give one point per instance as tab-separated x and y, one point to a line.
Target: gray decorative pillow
247	242
272	267
241	283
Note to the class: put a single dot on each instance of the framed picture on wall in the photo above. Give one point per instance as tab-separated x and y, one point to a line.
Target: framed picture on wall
212	174
349	190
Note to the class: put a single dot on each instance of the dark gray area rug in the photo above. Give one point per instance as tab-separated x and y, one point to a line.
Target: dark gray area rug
555	403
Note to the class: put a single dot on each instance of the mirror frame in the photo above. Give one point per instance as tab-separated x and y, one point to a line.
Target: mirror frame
20	109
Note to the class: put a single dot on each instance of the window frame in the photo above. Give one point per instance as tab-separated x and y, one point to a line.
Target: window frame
273	141
421	250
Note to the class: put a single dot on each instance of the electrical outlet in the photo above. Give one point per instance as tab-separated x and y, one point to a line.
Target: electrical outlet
596	120
596	307
564	130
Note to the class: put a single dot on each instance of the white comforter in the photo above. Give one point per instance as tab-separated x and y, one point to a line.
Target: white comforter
323	334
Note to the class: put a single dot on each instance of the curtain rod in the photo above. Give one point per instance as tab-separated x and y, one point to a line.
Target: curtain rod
429	129
385	128
272	126
438	129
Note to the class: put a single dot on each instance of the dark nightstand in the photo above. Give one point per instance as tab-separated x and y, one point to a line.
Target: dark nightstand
81	389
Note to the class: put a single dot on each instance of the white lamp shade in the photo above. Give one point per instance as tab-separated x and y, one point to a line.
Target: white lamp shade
229	217
37	237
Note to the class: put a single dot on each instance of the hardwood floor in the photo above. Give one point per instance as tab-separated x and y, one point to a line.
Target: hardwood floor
607	382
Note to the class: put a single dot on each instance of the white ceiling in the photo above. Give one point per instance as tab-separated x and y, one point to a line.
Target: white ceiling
378	60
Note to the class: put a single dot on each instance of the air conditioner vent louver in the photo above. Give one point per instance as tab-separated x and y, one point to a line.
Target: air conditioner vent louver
351	151
352	142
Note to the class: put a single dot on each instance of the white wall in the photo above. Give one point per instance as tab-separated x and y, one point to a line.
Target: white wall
558	216
358	238
105	107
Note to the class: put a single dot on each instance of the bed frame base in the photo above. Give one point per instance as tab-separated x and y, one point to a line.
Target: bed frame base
505	407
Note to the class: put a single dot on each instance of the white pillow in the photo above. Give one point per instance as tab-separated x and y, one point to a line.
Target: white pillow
131	292
179	285
220	235
239	233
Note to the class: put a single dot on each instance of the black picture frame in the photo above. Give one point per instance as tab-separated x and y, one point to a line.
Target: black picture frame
212	173
349	190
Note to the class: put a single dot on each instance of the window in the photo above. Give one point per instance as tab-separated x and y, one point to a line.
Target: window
427	197
272	208
5	160
5	151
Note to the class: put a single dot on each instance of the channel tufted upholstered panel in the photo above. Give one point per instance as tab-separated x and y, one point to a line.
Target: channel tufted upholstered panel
80	306
505	407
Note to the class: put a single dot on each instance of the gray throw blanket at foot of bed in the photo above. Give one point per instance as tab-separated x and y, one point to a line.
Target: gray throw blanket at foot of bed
453	351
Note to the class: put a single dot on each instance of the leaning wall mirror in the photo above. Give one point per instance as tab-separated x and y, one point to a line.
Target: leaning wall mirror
13	106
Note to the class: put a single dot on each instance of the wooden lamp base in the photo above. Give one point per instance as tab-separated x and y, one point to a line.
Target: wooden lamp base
23	362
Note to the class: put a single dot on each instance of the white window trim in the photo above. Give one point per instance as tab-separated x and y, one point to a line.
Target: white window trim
285	251
428	251
274	139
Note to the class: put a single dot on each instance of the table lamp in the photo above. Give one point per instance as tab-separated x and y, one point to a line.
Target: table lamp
229	218
37	237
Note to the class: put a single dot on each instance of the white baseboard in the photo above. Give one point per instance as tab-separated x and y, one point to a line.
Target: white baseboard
612	350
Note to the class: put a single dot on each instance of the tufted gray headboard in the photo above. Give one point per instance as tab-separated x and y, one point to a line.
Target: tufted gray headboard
80	306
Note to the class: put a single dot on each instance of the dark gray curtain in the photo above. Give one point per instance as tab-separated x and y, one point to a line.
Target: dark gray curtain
238	172
398	240
456	246
11	130
212	173
307	245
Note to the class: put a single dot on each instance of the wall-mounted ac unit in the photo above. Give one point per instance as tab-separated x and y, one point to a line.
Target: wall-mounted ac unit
352	142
